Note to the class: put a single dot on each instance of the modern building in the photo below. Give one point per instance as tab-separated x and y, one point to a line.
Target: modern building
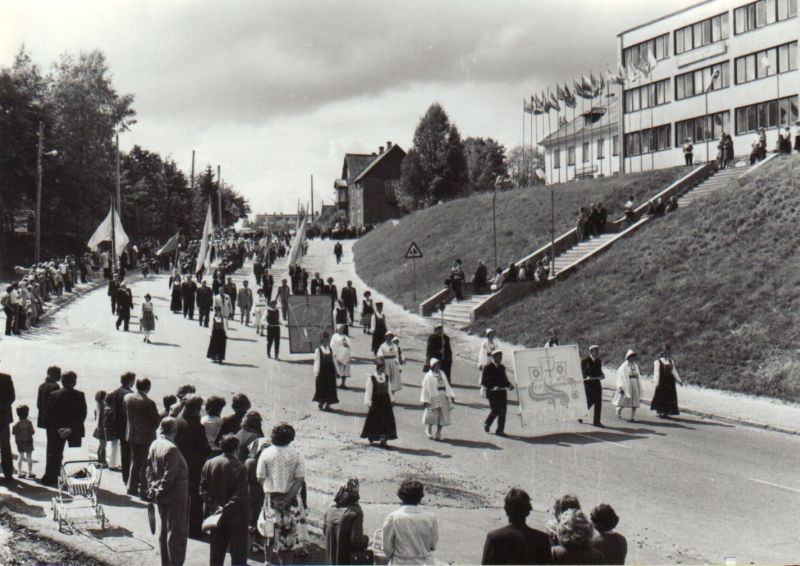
719	66
275	219
369	184
585	146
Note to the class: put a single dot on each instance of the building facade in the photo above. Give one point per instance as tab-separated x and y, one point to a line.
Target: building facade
720	66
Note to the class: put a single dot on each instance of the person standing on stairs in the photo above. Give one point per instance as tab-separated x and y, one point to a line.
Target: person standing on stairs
457	280
552	339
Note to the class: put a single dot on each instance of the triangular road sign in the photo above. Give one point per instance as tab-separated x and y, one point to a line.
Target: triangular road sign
413	251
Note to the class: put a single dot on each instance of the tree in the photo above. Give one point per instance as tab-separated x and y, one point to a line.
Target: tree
523	164
234	205
434	168
486	161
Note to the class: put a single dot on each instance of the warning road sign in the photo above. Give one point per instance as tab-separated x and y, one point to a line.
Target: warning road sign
413	251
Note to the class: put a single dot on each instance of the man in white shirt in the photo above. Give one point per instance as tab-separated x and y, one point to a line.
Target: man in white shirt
484	354
411	533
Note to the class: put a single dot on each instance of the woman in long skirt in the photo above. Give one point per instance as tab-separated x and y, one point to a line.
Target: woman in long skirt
367	310
260	313
389	352
438	398
379	332
219	339
665	398
176	305
325	372
380	424
340	346
628	393
147	318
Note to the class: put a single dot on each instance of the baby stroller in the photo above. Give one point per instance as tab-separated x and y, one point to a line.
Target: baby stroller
77	493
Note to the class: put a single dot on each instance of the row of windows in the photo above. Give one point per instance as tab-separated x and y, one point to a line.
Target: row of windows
648	140
646	96
695	82
702	128
635	54
770	114
766	63
585	155
762	13
702	33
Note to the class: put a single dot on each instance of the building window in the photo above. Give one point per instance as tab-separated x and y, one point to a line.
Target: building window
648	140
703	128
702	33
762	13
571	155
769	114
600	148
754	66
647	96
390	190
692	83
557	158
585	152
635	54
615	145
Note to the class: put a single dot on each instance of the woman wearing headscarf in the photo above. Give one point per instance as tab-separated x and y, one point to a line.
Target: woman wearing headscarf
380	424
147	318
344	526
389	352
340	346
438	399
628	393
665	398
325	374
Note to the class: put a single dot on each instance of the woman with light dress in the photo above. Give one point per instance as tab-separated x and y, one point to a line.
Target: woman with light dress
628	393
147	318
389	352
340	346
438	399
260	313
665	397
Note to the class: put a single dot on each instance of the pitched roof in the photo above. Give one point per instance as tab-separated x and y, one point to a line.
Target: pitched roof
578	127
377	160
354	164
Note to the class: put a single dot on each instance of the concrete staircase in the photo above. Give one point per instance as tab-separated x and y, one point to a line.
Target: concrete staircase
457	313
578	252
718	180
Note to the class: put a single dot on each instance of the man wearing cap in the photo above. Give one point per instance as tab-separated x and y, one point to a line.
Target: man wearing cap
495	384
487	347
124	305
439	348
592	368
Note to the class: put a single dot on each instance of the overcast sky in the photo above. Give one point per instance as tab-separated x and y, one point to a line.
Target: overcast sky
275	90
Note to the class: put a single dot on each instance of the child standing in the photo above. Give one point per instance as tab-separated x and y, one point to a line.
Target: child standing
99	431
23	436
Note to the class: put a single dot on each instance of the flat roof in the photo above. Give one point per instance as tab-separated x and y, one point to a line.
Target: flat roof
664	17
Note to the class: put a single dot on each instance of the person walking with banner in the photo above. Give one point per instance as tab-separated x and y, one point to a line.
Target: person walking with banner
495	387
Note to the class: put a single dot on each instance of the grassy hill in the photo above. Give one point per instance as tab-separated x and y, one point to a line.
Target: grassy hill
719	280
463	229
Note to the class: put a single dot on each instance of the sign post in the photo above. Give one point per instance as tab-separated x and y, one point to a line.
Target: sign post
413	253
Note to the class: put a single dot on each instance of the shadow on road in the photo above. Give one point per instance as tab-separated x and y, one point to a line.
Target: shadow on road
417	451
346	413
165	344
409	407
231	364
12	503
470	443
243	339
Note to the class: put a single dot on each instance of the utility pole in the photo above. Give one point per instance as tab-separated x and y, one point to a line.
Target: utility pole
192	177
38	218
312	196
219	195
119	199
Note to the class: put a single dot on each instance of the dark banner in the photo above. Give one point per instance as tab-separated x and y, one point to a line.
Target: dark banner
309	317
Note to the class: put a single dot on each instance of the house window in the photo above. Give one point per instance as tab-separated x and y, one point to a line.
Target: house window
762	13
703	128
767	115
600	148
647	96
648	140
571	155
585	152
702	33
390	190
615	145
692	83
557	158
753	66
658	46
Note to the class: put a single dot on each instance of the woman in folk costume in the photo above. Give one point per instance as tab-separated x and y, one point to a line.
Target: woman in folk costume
438	399
325	373
380	424
147	318
340	315
260	313
379	327
227	307
340	346
665	398
389	352
488	346
176	305
628	394
367	310
219	339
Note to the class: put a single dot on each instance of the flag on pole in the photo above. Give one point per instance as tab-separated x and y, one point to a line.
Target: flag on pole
581	90
618	78
554	101
536	105
171	245
208	230
651	60
547	106
110	230
569	97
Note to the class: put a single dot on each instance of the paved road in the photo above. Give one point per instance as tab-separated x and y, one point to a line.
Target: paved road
687	490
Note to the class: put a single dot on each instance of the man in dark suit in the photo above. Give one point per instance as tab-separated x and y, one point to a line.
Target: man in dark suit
230	289
142	417
124	305
516	543
592	368
113	287
7	398
188	293
439	348
115	423
349	297
495	384
205	300
223	486
267	284
66	413
49	385
192	441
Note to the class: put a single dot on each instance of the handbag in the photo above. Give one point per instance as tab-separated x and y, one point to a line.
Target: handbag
266	519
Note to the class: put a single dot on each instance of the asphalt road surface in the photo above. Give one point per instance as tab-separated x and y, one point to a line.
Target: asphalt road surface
687	490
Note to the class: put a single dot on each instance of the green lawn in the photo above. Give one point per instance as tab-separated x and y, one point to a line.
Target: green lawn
719	280
463	229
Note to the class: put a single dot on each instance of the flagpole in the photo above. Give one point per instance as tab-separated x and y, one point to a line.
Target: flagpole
530	160
113	235
119	198
219	195
591	132
523	166
192	177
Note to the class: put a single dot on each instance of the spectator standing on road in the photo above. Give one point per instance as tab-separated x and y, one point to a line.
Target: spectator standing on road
99	431
343	526
612	545
516	543
231	424
438	347
7	398
124	306
379	327
245	301
251	431
438	399
495	387
340	347
665	397
49	385
212	421
575	535
380	425
190	438
628	393
592	369
115	425
66	411
349	297
147	318
23	432
223	487
167	480
325	375
367	310
411	533
142	418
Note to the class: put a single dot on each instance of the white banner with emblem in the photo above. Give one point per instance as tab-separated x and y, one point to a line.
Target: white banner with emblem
550	385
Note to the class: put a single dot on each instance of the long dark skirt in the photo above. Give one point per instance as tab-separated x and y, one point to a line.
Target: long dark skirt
380	419
325	391
216	347
378	336
176	305
665	398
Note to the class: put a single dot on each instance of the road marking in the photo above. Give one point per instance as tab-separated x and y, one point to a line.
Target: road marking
794	489
595	438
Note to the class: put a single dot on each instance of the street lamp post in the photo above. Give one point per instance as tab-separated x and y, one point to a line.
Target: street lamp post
494	221
38	218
